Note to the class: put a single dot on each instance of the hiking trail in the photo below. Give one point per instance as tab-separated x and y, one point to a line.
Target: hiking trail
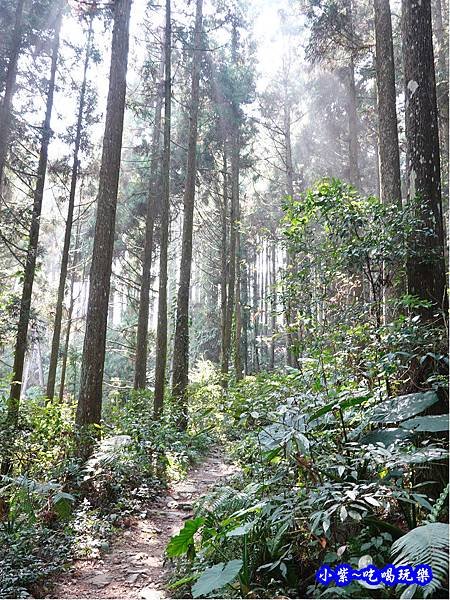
134	568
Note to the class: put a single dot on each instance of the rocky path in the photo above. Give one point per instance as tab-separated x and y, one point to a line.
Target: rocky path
135	566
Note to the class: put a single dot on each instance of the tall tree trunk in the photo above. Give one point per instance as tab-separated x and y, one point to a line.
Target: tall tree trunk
390	190
10	87
245	307
352	106
68	231
266	299
234	276
353	146
161	331
140	365
180	376
388	149
226	274
248	340
255	300
39	362
236	226
291	359
225	325
260	268
443	74
425	265
69	311
33	239
238	328
91	383
25	376
231	267
273	306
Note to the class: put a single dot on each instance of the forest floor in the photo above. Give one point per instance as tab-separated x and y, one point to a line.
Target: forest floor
135	567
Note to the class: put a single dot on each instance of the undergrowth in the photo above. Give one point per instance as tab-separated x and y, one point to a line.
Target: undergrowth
332	470
55	508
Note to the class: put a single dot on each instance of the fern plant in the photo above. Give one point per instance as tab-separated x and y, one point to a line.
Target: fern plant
223	502
438	506
427	544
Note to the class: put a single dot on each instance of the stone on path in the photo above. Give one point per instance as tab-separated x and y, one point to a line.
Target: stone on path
101	580
150	594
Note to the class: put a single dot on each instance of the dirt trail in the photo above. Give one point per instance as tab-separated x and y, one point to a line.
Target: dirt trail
134	568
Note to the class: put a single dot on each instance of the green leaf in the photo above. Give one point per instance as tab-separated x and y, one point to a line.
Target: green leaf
355	515
343	404
180	543
323	411
427	423
272	454
424	455
216	577
385	436
350	402
242	530
176	584
245	511
371	500
62	503
302	442
403	407
420	499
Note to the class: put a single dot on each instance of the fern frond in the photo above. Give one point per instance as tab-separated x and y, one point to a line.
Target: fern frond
427	544
224	501
438	506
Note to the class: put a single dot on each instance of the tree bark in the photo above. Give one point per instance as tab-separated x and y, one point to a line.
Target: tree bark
225	324
255	300
443	74
352	106
353	145
180	376
68	230
265	297
388	148
25	376
231	267
273	307
30	264
245	307
39	362
140	366
69	312
425	265
10	87
237	258
291	358
161	331
390	190
90	396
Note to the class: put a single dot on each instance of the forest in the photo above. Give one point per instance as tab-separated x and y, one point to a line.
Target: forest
223	299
